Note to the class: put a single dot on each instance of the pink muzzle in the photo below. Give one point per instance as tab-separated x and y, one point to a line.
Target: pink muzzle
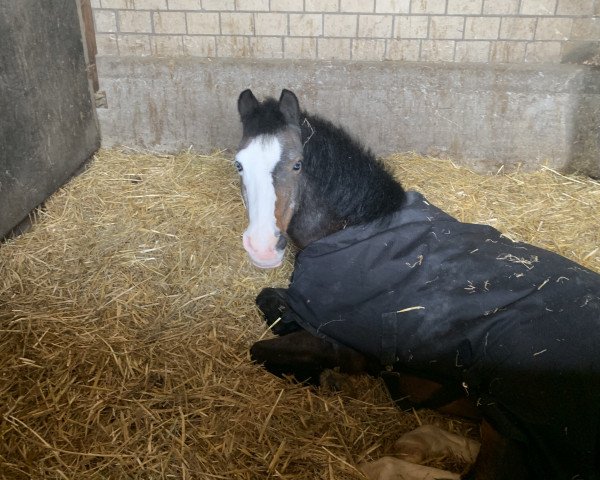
263	250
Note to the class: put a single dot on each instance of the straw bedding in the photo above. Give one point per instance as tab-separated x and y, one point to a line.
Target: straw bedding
127	312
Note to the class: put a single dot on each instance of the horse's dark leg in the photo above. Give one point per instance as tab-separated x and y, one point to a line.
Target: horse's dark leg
410	391
278	315
305	356
499	458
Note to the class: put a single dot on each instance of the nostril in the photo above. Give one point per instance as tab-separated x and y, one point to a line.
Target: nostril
281	242
247	243
264	248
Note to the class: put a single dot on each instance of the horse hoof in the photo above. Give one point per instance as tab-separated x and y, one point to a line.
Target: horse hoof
272	304
280	319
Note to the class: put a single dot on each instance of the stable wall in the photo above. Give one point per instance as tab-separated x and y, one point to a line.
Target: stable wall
486	115
489	82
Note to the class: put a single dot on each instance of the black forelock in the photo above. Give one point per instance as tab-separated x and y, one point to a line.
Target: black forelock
264	119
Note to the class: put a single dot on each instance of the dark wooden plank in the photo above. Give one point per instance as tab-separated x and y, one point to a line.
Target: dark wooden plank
48	125
89	33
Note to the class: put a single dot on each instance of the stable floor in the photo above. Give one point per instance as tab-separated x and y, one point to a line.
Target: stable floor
126	315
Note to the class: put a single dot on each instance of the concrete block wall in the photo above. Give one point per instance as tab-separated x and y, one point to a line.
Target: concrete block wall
486	82
483	31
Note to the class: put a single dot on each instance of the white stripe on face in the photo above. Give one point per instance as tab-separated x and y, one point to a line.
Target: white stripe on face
258	160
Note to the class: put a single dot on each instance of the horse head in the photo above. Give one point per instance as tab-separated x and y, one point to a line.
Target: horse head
269	161
304	178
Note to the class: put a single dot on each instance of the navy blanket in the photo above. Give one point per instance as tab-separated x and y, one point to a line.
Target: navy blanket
516	325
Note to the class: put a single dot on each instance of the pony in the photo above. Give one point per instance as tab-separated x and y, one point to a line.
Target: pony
452	316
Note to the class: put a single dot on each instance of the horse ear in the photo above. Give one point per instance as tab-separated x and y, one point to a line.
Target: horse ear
246	102
289	106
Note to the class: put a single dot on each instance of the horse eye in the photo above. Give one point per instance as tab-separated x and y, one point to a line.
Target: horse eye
238	166
297	166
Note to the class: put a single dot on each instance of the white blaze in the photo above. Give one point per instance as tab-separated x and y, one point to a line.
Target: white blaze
258	160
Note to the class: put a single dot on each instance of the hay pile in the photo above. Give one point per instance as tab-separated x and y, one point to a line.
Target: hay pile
127	312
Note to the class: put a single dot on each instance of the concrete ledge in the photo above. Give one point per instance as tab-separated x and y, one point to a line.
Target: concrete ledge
483	115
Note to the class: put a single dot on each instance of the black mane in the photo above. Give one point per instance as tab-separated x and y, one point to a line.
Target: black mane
342	183
356	187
